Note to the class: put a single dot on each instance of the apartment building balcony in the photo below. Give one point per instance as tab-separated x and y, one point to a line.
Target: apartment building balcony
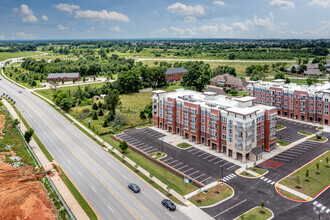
272	137
239	146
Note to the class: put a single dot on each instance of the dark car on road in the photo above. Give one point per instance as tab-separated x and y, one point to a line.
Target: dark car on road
135	188
168	204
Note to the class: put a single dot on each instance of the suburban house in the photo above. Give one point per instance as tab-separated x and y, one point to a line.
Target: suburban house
175	74
301	102
229	81
236	127
59	76
296	66
312	69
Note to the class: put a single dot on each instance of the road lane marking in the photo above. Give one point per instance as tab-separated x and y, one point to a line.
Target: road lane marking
110	208
169	215
93	189
229	208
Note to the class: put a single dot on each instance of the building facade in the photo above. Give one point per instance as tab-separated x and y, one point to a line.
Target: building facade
175	74
301	102
234	126
59	76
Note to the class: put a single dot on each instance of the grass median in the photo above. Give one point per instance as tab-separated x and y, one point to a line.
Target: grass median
305	133
282	143
257	213
183	145
315	181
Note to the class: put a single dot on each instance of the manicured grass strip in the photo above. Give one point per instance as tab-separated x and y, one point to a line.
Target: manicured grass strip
305	133
81	200
157	155
257	170
288	194
318	140
213	196
183	145
279	127
254	214
40	144
317	179
283	143
244	173
155	185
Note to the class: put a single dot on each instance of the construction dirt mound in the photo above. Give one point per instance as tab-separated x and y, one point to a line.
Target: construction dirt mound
22	195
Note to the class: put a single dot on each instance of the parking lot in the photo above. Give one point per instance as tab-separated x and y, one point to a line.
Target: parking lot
195	163
290	133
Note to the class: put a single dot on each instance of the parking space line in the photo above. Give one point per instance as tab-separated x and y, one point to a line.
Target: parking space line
217	162
172	162
202	154
151	151
280	159
196	152
146	148
188	170
199	176
177	164
213	159
226	163
193	173
207	157
285	157
231	167
191	150
205	179
169	158
182	167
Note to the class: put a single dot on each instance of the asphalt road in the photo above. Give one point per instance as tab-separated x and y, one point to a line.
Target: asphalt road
290	133
99	177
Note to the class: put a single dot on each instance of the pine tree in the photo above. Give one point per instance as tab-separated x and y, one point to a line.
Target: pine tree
94	107
95	116
100	113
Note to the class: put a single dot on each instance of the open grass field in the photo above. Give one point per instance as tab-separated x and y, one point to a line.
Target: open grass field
316	181
213	196
8	55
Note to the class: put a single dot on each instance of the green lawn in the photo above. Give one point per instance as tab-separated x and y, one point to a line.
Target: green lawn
318	140
282	143
288	194
244	173
279	127
183	145
157	155
8	55
255	215
240	93
10	73
213	196
317	182
305	133
257	170
12	137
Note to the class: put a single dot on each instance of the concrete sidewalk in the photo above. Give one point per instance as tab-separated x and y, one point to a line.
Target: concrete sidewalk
66	194
294	192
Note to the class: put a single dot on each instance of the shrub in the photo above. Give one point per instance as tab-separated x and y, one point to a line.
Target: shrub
94	107
100	113
105	124
94	116
28	135
123	146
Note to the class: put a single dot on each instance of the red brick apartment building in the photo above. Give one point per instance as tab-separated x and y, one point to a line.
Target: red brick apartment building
59	76
301	102
234	126
175	74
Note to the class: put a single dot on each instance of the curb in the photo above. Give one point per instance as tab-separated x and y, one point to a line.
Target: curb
256	177
271	217
222	201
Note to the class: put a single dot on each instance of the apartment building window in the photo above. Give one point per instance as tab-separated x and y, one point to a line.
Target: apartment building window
170	104
291	101
297	108
214	118
224	128
193	111
326	100
262	127
208	122
203	120
165	117
310	104
186	125
291	107
203	128
177	120
310	110
179	105
262	135
319	111
193	119
326	112
296	96
256	95
186	117
193	127
202	112
224	136
223	119
170	119
186	110
214	126
208	130
230	140
319	105
214	134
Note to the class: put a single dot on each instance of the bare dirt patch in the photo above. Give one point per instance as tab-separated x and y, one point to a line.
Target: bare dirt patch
22	195
2	124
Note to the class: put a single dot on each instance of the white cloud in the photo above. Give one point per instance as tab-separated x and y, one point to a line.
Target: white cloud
115	29
182	9
62	28
190	19
27	13
218	3
101	15
2	37
322	3
24	36
194	31
44	17
67	8
267	22
281	4
155	12
240	26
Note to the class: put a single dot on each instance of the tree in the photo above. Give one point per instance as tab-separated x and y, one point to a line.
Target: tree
123	146
327	160
62	81
65	104
94	117
110	116
279	76
142	115
105	124
262	204
297	180
112	100
287	80
293	69
94	106
15	122
100	105
317	166
100	112
28	135
302	68
309	81
307	173
198	75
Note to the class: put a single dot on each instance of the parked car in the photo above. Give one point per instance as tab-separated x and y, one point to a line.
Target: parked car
135	188
20	91
168	204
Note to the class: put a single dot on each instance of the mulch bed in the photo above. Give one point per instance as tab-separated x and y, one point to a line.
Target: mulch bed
169	195
262	212
306	180
297	187
158	153
136	171
198	201
317	173
216	192
151	182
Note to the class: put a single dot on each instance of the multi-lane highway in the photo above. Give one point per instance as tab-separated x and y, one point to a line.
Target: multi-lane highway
99	177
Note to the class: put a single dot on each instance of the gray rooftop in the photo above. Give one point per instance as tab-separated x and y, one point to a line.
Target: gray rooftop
176	70
62	75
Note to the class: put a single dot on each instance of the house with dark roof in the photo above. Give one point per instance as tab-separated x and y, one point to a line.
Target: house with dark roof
313	69
229	81
293	65
215	89
175	74
59	76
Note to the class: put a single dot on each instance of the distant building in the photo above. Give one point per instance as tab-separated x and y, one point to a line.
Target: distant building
215	89
313	69
229	81
296	66
175	74
234	126
59	76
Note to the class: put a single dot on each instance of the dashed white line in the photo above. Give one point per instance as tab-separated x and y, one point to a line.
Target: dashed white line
93	189
169	215
110	208
229	208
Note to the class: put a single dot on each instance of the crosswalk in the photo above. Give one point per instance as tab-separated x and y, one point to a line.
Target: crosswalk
271	182
321	207
228	177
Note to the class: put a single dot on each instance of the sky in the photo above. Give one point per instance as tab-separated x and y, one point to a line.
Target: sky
128	19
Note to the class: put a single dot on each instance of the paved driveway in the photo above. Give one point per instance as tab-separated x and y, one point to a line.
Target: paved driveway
197	164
